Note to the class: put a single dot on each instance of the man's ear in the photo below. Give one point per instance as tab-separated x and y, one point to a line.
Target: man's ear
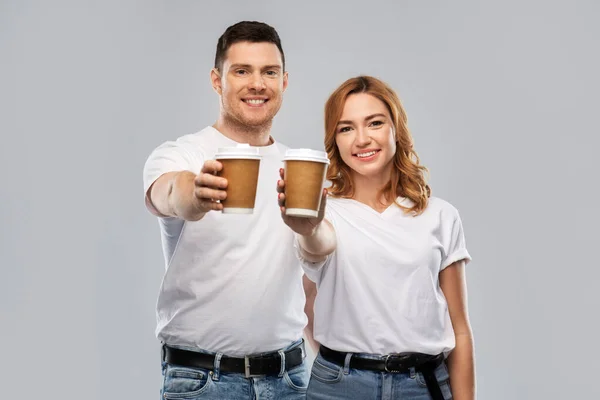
215	79
285	80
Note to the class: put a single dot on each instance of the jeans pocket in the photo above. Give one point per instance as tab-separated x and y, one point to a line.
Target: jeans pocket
297	378
325	371
185	383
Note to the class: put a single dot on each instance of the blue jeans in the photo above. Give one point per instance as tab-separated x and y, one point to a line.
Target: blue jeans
202	384
331	381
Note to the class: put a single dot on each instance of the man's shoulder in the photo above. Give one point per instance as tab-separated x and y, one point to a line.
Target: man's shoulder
204	135
205	141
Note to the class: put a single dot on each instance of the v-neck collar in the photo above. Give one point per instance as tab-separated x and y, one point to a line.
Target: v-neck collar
390	210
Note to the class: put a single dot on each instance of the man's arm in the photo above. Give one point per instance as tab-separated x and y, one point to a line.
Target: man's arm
182	194
461	362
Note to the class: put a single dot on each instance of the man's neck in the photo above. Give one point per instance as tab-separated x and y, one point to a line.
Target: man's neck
253	135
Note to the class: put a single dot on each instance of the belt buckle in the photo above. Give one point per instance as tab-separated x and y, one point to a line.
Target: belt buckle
247	373
399	357
247	367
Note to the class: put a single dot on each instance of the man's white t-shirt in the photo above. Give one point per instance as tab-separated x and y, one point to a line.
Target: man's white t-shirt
232	282
379	292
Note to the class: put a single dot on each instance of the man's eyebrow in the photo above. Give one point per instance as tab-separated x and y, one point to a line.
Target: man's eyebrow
366	119
248	66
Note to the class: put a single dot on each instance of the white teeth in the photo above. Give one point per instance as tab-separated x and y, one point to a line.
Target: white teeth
255	101
369	154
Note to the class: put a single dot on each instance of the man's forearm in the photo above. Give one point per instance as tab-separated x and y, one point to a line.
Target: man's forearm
461	365
173	196
181	198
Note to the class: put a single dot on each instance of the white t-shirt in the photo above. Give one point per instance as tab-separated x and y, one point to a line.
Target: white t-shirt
232	282
378	292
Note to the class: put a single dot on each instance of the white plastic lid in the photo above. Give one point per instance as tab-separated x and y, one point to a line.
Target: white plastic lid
242	150
306	155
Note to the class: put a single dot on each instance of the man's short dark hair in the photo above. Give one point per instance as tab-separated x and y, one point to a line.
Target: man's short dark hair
246	31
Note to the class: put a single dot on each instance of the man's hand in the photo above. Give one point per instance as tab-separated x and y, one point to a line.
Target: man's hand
300	225
185	195
209	189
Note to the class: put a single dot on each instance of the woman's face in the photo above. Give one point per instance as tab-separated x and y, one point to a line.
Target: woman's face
365	137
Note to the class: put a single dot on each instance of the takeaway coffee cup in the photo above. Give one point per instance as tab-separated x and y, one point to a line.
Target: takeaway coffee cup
240	167
305	171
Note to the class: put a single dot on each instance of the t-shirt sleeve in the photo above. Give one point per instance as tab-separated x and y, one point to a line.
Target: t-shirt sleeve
168	157
314	270
455	248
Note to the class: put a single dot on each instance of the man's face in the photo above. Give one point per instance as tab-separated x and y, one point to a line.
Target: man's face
251	83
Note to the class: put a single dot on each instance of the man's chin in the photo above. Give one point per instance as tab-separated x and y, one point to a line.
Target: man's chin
256	122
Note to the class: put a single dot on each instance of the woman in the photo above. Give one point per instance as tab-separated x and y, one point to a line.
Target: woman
388	260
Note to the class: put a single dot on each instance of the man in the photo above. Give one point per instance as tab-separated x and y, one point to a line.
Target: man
230	310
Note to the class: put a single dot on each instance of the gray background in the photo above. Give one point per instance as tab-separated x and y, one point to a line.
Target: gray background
502	99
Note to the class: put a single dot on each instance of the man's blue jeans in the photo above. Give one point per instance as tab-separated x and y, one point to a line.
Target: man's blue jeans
202	384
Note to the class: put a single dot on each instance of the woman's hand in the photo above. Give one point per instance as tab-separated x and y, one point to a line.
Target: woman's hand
301	225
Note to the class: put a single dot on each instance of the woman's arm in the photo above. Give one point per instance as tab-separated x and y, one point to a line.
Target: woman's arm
316	236
461	362
310	289
316	247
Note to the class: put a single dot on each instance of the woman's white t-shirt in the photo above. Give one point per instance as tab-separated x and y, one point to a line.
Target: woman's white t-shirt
379	292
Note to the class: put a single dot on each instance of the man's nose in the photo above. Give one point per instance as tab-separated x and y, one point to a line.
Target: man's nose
257	82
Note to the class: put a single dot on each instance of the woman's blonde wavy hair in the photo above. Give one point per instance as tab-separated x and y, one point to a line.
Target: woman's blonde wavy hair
408	176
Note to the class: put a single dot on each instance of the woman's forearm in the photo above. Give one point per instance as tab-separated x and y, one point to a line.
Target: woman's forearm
320	244
461	365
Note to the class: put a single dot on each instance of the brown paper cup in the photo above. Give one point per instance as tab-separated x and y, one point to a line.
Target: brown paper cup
240	167
305	171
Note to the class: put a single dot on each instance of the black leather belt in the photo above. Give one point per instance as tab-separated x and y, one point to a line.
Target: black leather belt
394	363
260	365
390	363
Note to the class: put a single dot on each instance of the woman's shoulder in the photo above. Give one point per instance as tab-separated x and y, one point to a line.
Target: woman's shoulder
437	205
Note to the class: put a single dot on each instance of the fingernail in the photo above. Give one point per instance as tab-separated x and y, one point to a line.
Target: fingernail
278	196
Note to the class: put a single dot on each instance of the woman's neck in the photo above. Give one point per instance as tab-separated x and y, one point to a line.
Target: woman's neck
367	190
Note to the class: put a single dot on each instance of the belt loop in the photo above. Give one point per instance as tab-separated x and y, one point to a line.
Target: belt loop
413	372
282	357
217	366
347	363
